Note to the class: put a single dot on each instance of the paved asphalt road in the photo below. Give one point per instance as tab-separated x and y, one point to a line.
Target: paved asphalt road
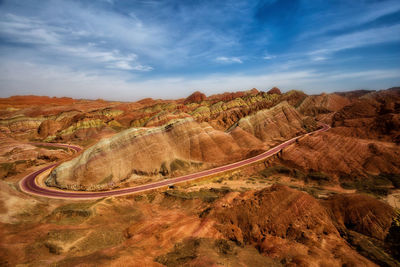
29	185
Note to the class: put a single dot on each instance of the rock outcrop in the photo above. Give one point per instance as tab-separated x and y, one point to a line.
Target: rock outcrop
361	213
274	90
374	116
285	224
339	155
49	127
276	124
196	97
320	104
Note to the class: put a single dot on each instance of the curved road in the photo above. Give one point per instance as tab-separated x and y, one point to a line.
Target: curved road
28	184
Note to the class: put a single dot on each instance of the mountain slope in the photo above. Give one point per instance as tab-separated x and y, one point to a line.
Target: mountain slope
176	148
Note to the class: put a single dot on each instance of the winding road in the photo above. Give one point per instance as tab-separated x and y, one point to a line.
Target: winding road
29	185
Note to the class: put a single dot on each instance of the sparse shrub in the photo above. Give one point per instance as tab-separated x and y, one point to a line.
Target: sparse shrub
151	197
223	190
53	248
164	169
224	247
275	169
182	253
312	191
73	213
219	180
178	164
138	197
205	212
318	176
299	174
205	195
376	185
392	178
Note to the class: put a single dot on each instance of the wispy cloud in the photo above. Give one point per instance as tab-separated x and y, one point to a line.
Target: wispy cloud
319	58
42	79
27	30
359	39
367	75
52	38
229	60
269	57
355	15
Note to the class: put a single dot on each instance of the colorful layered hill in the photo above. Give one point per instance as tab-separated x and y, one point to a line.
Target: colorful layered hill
329	199
181	146
152	138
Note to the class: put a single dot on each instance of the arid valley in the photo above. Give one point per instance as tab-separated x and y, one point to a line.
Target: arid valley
235	133
329	198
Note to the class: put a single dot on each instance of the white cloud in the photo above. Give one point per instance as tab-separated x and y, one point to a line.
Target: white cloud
36	32
26	78
269	57
143	68
229	60
72	25
319	58
26	30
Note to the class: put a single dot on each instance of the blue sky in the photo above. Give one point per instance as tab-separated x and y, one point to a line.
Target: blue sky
127	50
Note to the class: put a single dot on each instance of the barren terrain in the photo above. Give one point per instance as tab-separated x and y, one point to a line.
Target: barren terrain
329	199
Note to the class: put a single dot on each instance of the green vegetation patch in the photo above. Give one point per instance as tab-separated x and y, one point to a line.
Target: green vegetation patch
211	252
275	170
177	164
392	177
206	195
74	213
224	246
378	185
100	239
320	177
151	197
65	235
56	237
181	254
